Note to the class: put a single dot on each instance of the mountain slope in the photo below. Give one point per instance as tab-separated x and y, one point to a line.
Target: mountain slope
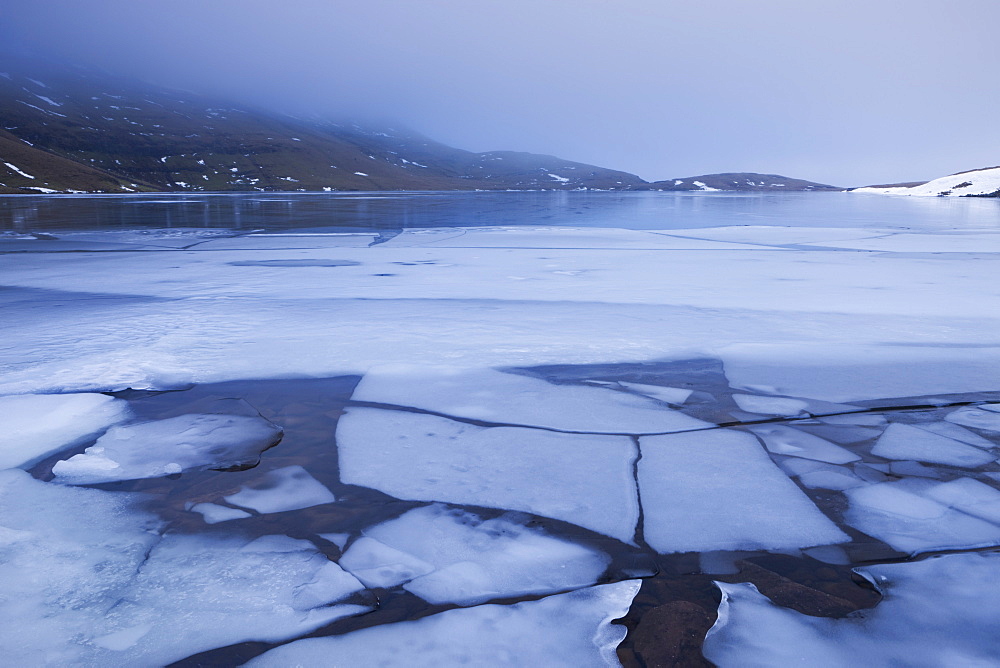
144	137
973	183
24	168
737	181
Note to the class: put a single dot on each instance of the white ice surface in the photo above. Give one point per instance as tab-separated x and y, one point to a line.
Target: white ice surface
752	403
911	517
279	490
214	513
87	580
164	447
861	371
971	416
901	318
670	395
901	441
941	611
718	490
583	479
970	496
829	479
960	242
33	426
772	235
782	440
493	396
955	432
450	556
550	237
378	565
572	630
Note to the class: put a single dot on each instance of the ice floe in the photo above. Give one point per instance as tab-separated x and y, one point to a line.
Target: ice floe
718	490
579	478
973	416
919	516
837	478
87	579
670	395
941	611
214	513
572	629
33	426
280	490
955	432
451	556
782	440
901	441
165	447
378	565
493	396
752	403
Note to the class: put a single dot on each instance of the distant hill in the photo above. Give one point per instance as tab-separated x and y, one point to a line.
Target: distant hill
70	128
983	182
73	129
738	181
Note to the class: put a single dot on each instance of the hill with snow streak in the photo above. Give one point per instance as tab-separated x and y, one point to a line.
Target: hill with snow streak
974	183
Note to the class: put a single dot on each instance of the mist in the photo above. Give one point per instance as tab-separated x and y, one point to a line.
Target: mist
846	93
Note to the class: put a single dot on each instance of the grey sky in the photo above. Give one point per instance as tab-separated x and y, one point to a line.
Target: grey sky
847	92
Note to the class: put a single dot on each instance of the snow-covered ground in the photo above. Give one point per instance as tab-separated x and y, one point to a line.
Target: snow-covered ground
975	182
512	500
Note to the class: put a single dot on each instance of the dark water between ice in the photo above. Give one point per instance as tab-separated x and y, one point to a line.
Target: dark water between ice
389	212
677	602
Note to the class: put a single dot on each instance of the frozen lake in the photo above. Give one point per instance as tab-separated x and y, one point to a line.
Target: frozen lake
499	429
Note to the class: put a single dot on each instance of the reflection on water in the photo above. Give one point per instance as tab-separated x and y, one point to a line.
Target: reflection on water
386	212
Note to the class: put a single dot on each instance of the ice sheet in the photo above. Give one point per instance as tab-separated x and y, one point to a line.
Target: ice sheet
164	447
550	237
211	320
33	426
451	556
901	441
493	396
571	629
937	612
582	479
925	243
279	490
718	490
783	440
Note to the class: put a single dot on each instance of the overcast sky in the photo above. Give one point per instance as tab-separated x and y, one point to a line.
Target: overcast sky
841	92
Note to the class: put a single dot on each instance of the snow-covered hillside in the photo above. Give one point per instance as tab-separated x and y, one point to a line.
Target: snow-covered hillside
975	183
